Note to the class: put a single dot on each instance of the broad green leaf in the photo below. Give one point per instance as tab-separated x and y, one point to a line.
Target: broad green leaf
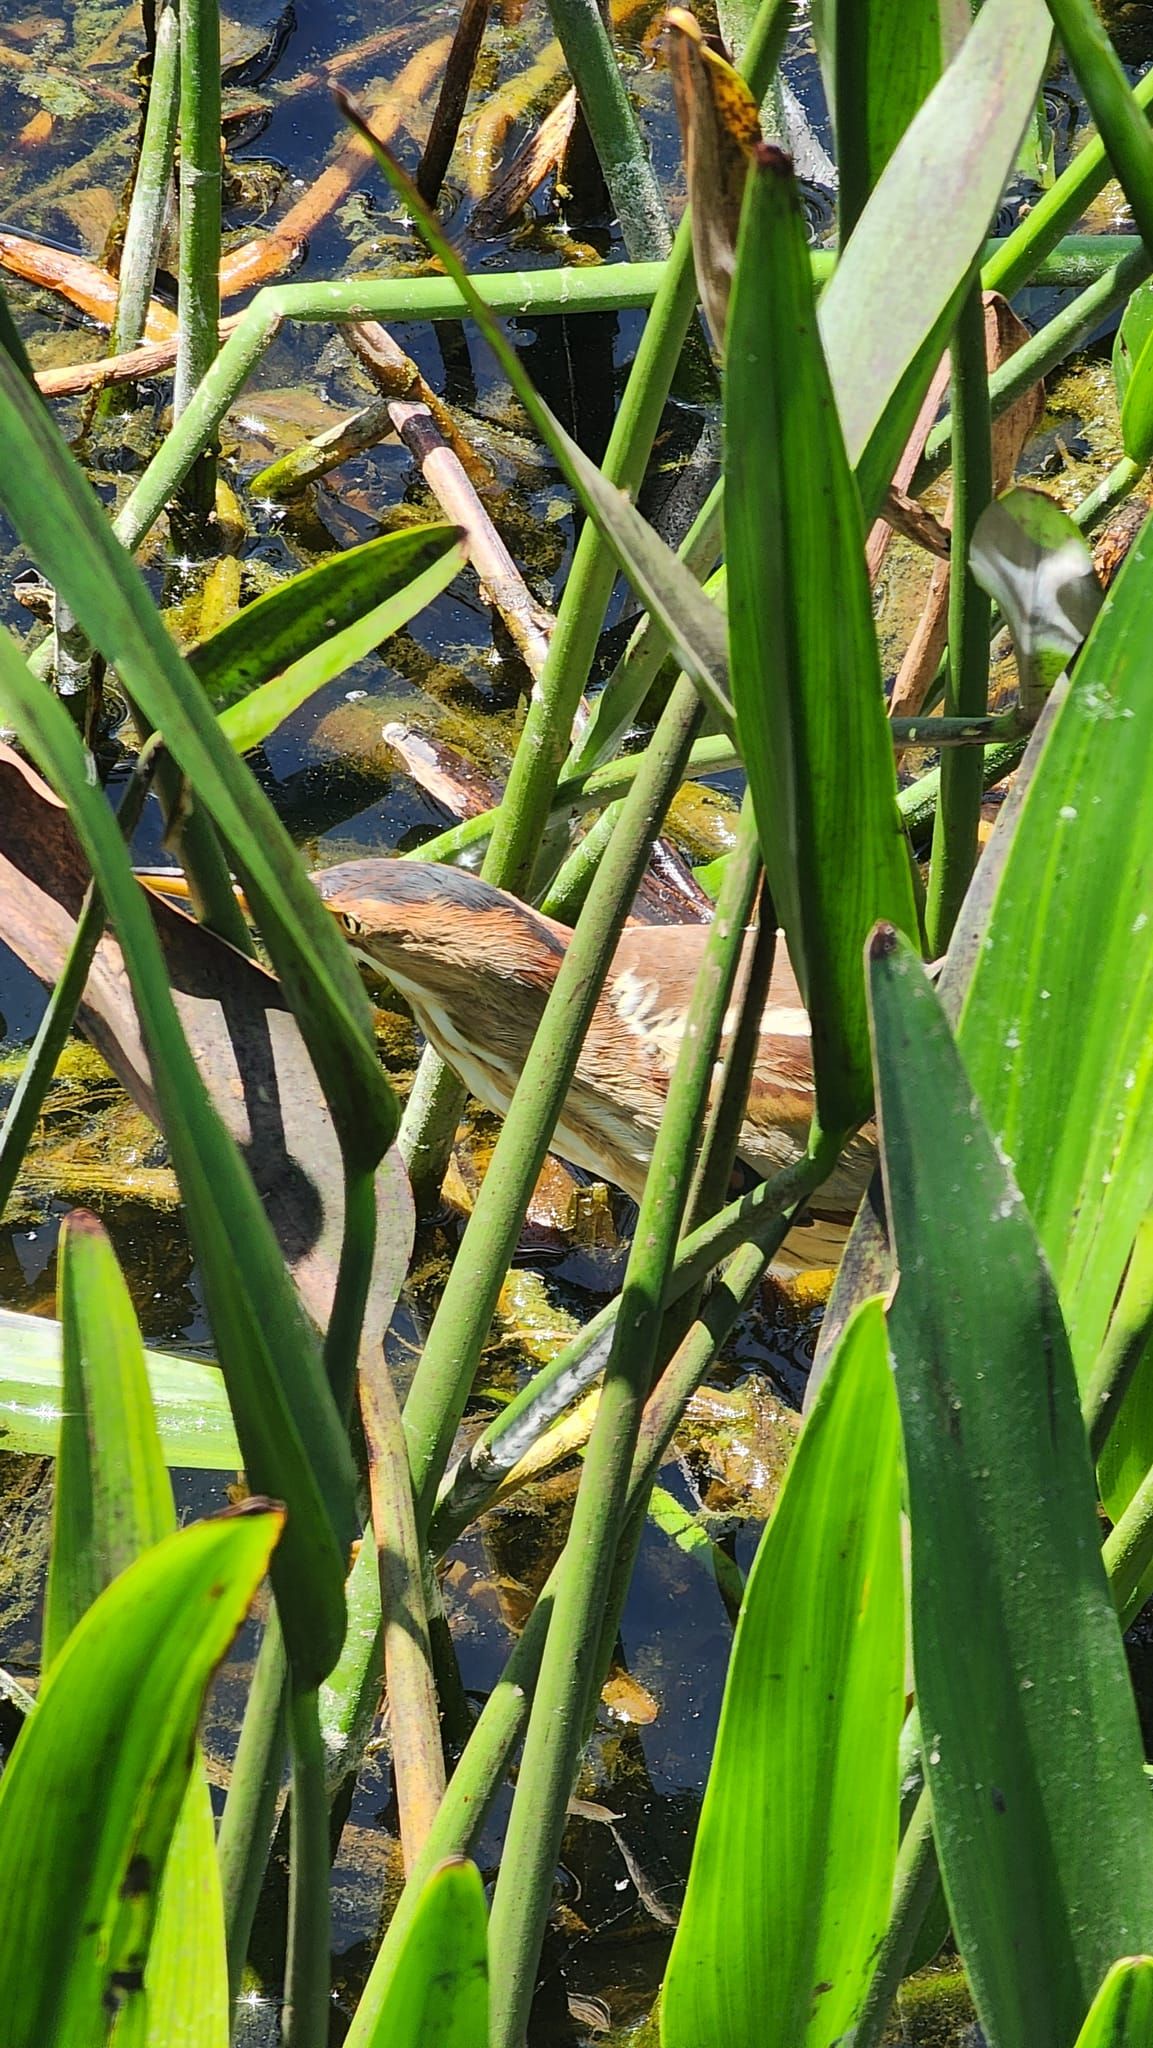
297	617
1054	1024
64	526
112	1500
694	625
1029	556
792	1870
247	723
188	1398
438	1991
884	338
803	649
91	1793
112	1497
1121	2015
1030	1737
295	1446
879	59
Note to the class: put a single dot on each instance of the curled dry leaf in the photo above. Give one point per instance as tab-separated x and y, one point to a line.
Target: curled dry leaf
720	128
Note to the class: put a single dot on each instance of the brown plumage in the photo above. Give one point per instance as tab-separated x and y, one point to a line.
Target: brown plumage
477	966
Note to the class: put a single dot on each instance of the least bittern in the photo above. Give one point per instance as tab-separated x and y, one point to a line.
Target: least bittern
477	966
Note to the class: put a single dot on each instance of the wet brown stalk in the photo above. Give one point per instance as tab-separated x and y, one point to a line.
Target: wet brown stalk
453	99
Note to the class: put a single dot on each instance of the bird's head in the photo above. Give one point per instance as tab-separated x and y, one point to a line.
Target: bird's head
440	931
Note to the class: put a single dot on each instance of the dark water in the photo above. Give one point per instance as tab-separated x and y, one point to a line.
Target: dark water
328	776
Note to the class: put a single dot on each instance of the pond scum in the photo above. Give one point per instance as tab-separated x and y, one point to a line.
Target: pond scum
576	855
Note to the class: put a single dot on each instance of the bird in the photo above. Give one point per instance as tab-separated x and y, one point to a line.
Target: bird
476	966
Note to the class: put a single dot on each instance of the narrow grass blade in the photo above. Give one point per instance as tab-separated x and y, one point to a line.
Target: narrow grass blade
188	1398
805	670
1030	1736
883	343
1121	2015
91	1794
297	619
64	526
438	1991
793	1865
295	1447
695	626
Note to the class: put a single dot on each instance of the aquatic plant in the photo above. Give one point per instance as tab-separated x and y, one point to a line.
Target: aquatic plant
983	1377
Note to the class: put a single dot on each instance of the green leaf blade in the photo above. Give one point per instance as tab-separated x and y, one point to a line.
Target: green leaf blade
1054	1022
1121	2015
112	1497
96	1780
1032	1747
438	1991
883	344
793	1866
805	670
191	1407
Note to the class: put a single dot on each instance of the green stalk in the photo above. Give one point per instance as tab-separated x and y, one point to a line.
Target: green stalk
967	686
249	1816
1129	1554
414	1720
477	1778
200	182
304	2018
353	1280
726	1116
571	1664
544	742
914	1883
545	739
430	1120
594	68
1128	1335
918	802
1119	121
1112	490
713	755
611	288
1023	254
444	1376
565	896
151	186
1043	351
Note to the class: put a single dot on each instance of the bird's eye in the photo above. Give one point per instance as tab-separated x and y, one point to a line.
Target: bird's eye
350	923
